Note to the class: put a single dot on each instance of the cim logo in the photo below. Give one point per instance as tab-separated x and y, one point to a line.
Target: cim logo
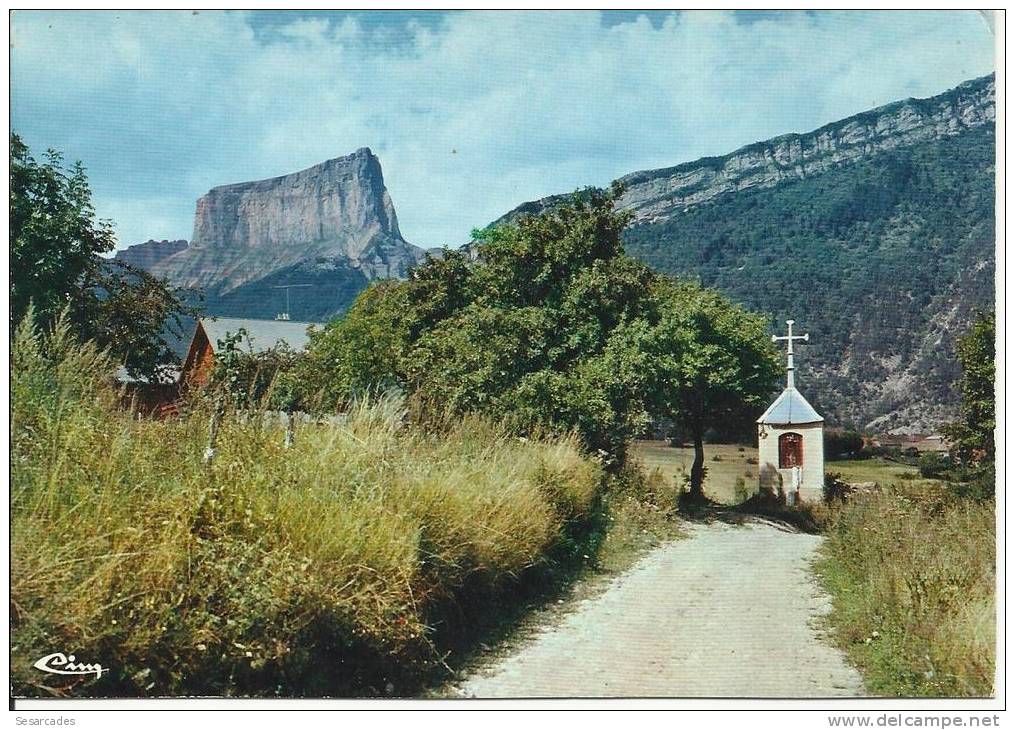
60	663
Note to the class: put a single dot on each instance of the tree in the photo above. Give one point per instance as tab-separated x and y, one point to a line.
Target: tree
437	289
251	379
972	435
535	331
526	327
55	240
547	325
712	362
131	313
57	264
361	352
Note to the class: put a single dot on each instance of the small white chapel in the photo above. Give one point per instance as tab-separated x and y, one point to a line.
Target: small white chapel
791	451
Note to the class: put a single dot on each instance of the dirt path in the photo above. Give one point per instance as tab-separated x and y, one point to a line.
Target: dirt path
729	612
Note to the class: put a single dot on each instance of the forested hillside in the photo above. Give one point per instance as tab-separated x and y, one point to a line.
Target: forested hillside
883	261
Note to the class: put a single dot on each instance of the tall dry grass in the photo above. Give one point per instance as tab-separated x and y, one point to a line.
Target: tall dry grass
911	571
333	567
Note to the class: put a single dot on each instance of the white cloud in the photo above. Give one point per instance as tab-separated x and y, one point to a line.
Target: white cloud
468	119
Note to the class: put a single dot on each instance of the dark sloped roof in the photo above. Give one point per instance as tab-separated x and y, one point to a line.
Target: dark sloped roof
790	408
264	334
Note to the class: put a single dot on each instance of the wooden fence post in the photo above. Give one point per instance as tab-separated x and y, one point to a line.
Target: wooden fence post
213	432
287	418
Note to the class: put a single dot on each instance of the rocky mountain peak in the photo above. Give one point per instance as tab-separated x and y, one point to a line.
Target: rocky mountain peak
338	210
148	254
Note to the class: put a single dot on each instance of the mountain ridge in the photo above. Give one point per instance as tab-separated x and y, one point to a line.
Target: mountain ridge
788	156
889	212
146	255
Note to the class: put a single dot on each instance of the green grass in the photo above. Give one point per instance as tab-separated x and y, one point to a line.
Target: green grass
911	572
674	465
886	473
353	563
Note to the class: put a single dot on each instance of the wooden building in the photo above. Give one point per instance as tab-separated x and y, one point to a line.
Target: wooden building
259	335
161	399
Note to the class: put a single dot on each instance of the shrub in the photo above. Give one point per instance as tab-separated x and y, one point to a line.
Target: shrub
842	444
836	489
933	465
805	516
977	482
740	490
249	379
321	569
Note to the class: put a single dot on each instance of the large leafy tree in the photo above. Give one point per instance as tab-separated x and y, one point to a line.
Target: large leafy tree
55	238
536	333
360	353
548	325
973	434
56	247
528	326
712	364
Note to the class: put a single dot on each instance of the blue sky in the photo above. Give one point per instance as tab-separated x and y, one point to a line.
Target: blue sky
470	113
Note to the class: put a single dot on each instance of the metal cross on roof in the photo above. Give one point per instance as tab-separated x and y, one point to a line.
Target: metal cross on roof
788	339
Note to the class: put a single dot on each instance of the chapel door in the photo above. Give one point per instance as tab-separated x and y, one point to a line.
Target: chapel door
791	450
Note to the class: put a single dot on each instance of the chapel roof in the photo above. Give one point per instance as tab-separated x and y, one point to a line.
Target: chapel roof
790	408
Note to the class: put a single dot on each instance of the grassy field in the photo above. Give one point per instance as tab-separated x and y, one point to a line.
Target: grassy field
350	563
911	572
886	473
728	462
369	558
725	464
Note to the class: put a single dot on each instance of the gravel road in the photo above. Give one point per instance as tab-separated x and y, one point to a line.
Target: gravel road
731	611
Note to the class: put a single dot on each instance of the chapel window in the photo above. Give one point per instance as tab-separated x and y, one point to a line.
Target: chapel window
791	450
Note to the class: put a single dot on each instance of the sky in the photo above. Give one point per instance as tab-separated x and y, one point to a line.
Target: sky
470	113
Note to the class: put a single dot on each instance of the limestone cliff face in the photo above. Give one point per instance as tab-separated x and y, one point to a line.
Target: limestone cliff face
337	213
656	195
146	255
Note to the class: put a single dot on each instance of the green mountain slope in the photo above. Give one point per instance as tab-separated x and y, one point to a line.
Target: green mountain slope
884	261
